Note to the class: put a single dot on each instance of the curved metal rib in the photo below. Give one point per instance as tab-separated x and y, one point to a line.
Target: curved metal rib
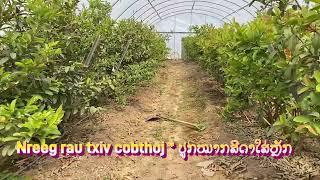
166	1
212	5
148	18
208	2
166	16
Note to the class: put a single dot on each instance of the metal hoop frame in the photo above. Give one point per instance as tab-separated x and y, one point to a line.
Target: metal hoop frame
191	12
150	18
153	6
187	12
213	4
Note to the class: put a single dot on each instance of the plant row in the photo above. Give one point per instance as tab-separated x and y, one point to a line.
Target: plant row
270	66
57	61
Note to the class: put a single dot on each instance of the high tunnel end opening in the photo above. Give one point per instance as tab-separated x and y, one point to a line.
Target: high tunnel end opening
175	43
175	18
175	28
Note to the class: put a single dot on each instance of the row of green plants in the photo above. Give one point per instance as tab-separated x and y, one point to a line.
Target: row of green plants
269	65
57	61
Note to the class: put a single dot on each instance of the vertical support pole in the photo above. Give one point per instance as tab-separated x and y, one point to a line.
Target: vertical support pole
174	36
194	3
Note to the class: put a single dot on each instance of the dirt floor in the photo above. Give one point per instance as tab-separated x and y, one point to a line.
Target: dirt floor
181	90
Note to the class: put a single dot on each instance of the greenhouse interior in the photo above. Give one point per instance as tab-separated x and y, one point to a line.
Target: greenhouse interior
160	89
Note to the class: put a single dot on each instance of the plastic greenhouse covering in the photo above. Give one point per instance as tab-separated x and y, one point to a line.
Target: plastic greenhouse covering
174	17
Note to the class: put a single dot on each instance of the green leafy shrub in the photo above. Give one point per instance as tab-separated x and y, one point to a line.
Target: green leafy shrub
27	122
69	58
270	65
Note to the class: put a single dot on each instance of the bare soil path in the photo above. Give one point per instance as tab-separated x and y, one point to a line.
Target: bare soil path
180	90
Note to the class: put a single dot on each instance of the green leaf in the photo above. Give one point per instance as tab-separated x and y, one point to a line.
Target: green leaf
318	88
33	100
42	141
12	106
55	119
302	119
308	127
55	132
112	87
8	126
48	92
3	119
11	150
5	150
303	90
8	139
317	128
315	98
315	114
93	110
13	55
316	43
292	43
316	75
19	64
307	81
54	89
3	60
66	69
